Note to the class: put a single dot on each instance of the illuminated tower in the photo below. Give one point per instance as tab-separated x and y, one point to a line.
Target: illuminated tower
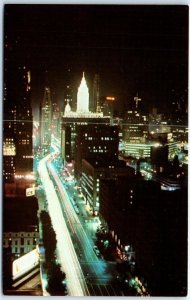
46	117
68	97
83	97
67	108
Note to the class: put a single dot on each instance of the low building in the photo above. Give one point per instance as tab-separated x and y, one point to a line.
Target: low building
150	150
20	225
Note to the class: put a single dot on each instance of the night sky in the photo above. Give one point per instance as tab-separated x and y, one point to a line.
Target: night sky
134	49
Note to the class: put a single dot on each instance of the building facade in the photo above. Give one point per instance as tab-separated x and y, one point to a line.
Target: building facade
95	103
68	132
95	170
20	225
17	127
21	242
95	139
83	97
151	150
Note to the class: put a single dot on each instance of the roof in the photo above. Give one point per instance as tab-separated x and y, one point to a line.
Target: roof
19	214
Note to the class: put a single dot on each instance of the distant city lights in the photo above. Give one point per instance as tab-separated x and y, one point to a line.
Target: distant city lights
109	98
27	177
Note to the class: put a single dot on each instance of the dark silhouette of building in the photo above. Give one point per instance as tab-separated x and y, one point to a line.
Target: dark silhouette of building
117	205
68	133
46	120
95	104
7	260
20	224
95	139
154	223
108	106
161	240
68	93
17	123
96	169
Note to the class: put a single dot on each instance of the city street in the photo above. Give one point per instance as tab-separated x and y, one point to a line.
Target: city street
81	225
67	257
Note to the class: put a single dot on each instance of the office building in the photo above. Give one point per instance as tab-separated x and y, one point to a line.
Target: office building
92	140
17	129
108	106
68	132
9	153
94	170
135	129
95	103
150	149
117	205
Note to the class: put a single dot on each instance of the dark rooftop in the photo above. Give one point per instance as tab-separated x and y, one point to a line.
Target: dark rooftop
105	162
20	214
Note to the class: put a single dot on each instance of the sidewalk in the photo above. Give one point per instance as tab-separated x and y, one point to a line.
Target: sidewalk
42	206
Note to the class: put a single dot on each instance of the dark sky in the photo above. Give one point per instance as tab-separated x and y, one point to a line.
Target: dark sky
134	49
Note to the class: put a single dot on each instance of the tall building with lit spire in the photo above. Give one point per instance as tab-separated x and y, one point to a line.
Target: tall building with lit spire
83	110
72	119
83	97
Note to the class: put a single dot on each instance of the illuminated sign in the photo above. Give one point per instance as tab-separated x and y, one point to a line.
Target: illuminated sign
170	136
30	192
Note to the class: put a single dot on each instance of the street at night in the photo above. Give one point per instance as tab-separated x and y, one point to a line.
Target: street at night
95	150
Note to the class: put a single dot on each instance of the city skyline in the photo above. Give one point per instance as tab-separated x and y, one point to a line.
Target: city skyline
134	49
95	150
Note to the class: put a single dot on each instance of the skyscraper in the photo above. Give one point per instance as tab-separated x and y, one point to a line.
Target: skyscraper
83	104
46	117
83	97
95	106
56	126
17	140
17	127
68	94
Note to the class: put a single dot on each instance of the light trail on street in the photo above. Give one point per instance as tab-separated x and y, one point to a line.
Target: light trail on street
91	263
68	259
